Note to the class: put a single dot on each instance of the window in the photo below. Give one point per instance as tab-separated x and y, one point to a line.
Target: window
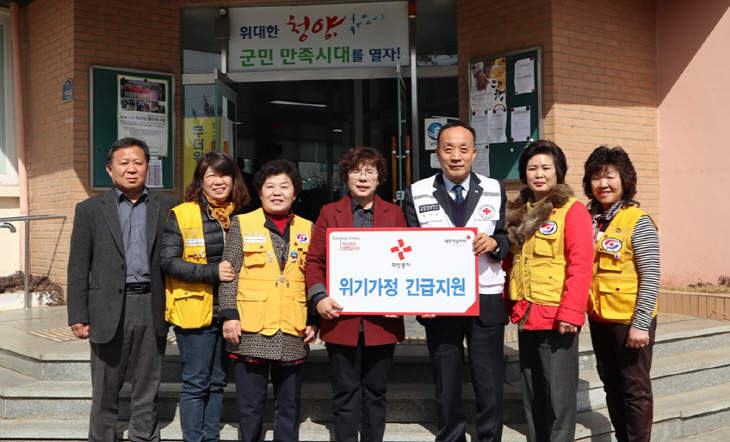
8	153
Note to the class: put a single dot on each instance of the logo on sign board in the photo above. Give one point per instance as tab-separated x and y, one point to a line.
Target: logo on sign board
611	244
433	130
401	249
302	238
548	228
487	211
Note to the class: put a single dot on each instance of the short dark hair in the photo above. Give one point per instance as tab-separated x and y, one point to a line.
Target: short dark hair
277	167
545	147
222	163
599	160
356	156
127	142
456	123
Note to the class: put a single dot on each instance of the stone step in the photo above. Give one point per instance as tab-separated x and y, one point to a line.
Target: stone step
721	435
35	344
670	375
696	416
25	396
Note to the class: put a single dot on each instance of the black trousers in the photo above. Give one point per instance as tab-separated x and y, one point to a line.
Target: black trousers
359	376
134	347
251	383
625	373
445	339
549	370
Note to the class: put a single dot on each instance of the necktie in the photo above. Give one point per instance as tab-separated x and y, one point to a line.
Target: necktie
457	192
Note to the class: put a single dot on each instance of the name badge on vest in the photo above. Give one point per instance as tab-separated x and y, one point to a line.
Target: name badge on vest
428	208
254	239
193	242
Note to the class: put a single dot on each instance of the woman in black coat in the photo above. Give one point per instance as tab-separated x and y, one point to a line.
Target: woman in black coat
192	248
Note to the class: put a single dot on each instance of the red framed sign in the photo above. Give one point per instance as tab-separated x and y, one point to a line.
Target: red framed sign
413	271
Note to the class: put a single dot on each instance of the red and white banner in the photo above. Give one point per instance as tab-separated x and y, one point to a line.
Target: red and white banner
403	271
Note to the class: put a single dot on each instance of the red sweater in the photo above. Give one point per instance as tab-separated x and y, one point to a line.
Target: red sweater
579	256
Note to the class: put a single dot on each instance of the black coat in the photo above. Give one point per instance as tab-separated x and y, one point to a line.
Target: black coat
96	264
171	254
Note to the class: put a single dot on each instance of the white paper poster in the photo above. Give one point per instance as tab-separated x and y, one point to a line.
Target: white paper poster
154	172
480	122
143	111
525	76
481	161
520	129
496	131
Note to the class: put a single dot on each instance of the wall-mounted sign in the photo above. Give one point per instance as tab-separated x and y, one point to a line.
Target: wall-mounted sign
319	36
433	127
67	93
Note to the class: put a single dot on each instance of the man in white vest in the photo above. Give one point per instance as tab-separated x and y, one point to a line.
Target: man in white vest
457	197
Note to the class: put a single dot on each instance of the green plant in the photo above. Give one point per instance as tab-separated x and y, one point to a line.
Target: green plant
46	289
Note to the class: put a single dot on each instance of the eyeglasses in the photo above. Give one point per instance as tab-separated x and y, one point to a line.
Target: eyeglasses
367	173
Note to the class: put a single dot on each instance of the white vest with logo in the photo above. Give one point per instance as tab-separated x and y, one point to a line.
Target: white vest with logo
484	218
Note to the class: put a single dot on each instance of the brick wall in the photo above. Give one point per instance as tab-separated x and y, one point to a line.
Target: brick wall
64	40
599	74
47	29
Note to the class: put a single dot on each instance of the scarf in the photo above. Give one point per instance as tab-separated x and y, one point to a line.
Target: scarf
600	216
220	211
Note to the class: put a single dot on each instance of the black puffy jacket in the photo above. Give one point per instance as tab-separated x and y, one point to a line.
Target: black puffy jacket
171	253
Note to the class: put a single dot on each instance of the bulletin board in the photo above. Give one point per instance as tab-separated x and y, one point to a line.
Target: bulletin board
505	109
130	102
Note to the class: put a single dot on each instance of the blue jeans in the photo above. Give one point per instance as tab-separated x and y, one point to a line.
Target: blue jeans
204	368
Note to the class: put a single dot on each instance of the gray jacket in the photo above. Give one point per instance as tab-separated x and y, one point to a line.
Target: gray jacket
97	268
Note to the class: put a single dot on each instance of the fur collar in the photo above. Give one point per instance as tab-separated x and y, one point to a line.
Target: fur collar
519	227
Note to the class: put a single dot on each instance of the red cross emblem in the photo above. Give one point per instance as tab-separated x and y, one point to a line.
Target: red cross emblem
400	249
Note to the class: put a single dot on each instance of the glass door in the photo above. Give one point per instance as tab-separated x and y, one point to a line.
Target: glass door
226	119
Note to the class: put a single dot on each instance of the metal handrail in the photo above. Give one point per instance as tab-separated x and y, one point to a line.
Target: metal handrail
27	220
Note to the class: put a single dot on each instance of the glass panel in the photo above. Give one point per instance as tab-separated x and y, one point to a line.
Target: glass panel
225	116
198	126
3	110
436	33
201	51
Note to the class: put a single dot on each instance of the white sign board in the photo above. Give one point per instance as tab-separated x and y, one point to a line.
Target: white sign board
352	35
403	271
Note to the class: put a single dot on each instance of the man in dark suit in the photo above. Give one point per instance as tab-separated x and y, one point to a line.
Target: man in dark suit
116	291
457	197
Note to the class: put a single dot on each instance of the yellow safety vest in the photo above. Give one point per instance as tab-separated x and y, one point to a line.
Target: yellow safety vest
189	304
539	267
268	298
615	279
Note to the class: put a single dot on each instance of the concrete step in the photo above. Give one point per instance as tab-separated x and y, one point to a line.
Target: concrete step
696	416
36	430
721	435
26	397
670	375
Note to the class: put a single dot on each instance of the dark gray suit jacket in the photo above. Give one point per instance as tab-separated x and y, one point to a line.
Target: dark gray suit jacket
97	268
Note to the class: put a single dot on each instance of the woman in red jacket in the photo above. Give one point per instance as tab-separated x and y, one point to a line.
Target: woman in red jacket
360	347
550	278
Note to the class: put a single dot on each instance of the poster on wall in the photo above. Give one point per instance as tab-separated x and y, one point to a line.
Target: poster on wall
198	139
488	85
351	35
143	111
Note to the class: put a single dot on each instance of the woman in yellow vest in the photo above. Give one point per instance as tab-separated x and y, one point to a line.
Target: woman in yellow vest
550	277
192	247
265	306
623	304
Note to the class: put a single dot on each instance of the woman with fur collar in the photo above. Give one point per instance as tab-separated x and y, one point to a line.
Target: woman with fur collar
550	277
